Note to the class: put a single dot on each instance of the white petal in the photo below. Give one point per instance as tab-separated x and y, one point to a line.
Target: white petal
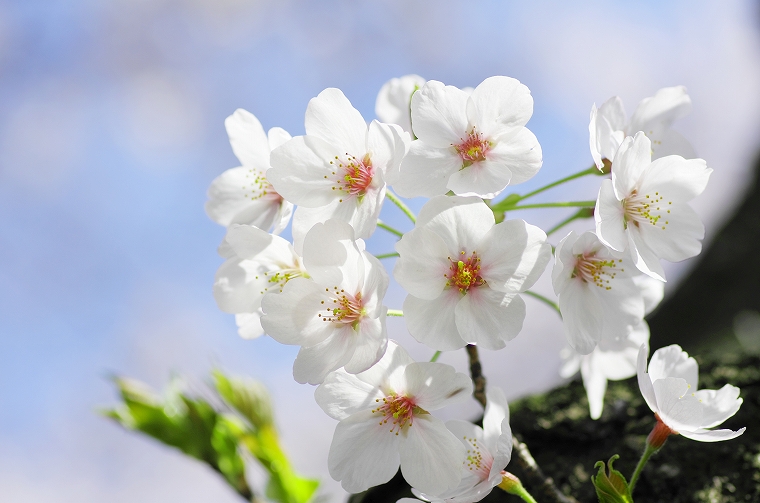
661	110
718	405
513	255
432	322
431	457
342	394
581	316
248	140
422	265
676	235
496	413
331	118
248	242
291	317
672	361
677	179
249	324
425	170
484	179
595	137
276	137
631	159
371	342
461	222
331	256
301	171
608	215
439	114
712	435
436	385
521	154
403	142
489	318
391	365
595	383
237	197
678	409
394	100
499	107
239	286
563	263
644	257
381	145
671	142
652	291
313	363
645	382
363	453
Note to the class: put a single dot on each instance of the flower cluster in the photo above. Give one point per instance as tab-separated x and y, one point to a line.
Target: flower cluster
463	265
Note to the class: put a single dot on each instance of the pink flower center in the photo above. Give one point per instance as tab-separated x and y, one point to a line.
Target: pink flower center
398	410
465	274
647	208
473	148
343	308
478	459
591	269
354	176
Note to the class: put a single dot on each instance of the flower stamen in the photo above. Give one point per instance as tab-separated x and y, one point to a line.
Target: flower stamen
399	410
473	148
591	269
465	274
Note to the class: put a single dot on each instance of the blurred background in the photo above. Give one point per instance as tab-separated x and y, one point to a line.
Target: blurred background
111	129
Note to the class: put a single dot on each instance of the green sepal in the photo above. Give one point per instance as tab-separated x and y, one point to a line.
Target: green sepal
611	487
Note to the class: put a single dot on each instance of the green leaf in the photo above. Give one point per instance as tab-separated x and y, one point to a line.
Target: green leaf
247	396
611	487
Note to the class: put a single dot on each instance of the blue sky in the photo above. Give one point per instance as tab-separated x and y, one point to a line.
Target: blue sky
111	129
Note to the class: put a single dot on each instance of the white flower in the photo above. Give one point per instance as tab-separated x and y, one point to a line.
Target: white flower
464	274
385	421
243	195
337	316
257	263
597	295
654	116
489	450
470	144
338	170
670	389
644	207
393	104
613	359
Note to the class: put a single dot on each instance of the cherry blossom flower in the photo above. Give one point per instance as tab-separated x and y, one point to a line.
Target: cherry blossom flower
385	422
244	195
470	144
257	263
644	207
669	387
654	116
464	274
489	450
336	315
395	98
613	359
338	170
597	294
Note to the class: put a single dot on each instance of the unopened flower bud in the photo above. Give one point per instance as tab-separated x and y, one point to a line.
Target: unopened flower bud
611	487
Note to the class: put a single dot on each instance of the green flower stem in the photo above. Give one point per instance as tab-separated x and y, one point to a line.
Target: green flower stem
395	312
590	171
543	299
581	213
435	356
568	204
643	461
398	202
390	229
525	495
386	255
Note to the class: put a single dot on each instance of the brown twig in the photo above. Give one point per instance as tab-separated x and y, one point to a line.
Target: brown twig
535	475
